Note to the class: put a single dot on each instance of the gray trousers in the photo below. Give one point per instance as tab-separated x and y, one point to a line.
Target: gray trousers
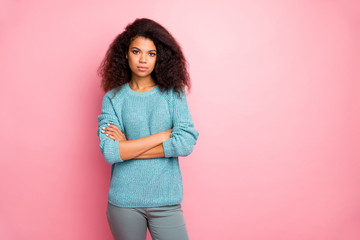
164	223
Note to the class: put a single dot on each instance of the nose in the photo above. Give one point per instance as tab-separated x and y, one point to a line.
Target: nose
142	58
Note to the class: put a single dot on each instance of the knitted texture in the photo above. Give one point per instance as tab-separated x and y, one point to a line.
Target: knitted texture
147	182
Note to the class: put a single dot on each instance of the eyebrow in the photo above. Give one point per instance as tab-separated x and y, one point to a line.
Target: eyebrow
140	49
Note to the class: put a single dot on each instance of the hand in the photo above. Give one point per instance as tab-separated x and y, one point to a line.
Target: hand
167	134
114	132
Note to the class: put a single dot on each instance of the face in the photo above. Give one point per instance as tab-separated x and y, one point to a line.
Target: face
142	53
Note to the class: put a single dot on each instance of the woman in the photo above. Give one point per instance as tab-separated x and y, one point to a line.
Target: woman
144	126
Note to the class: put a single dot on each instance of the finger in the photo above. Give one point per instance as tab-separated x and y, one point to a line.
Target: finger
114	130
110	136
112	125
109	129
106	130
117	134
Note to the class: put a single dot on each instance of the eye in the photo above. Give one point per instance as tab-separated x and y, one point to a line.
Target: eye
135	51
152	54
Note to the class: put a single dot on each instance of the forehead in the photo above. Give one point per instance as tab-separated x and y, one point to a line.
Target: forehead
142	43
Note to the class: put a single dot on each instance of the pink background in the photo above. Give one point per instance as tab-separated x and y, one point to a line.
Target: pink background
275	98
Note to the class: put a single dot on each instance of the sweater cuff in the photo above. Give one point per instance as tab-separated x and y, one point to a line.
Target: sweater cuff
169	150
112	153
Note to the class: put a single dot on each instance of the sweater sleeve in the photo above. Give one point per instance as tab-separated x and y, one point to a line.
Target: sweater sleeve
184	135
108	147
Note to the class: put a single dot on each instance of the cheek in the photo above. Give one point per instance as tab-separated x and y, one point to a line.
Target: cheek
131	62
154	62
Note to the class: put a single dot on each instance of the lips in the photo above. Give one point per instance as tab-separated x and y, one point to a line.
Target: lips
142	68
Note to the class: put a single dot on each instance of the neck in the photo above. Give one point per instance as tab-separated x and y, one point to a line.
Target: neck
142	83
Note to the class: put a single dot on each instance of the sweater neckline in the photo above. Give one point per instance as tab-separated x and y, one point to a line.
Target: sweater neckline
132	92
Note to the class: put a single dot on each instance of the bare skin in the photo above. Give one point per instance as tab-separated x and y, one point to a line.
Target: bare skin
142	52
146	147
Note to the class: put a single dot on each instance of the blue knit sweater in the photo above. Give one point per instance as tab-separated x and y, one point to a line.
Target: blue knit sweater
147	182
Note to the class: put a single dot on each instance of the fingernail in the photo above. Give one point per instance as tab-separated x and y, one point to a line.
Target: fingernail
107	135
103	131
103	128
108	124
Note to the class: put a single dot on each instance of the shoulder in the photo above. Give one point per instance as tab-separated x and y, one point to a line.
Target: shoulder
116	94
179	96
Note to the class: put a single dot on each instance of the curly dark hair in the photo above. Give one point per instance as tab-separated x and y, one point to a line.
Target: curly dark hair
170	71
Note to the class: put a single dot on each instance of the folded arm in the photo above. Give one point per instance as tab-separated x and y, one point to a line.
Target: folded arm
108	147
179	143
155	152
184	135
120	150
146	147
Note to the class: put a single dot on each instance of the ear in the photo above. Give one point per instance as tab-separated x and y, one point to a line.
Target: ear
126	56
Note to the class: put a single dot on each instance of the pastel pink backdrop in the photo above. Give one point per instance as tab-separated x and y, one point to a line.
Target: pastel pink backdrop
275	98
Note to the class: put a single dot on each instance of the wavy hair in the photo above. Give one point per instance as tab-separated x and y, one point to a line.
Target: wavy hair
170	71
